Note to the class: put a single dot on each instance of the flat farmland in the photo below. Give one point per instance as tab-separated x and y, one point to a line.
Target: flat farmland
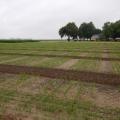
60	81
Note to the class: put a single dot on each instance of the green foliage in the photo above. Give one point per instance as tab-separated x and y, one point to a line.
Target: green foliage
111	30
70	30
86	30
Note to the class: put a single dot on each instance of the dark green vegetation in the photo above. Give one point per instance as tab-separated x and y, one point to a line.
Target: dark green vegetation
110	31
40	98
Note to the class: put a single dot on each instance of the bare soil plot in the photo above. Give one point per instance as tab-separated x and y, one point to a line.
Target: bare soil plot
102	96
102	78
109	97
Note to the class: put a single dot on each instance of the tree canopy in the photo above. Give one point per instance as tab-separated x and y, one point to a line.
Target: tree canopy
70	30
86	30
110	30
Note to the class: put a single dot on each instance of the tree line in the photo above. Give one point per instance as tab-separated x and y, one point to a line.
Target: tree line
109	31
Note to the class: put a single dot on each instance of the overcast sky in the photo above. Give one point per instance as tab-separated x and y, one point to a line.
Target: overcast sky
41	19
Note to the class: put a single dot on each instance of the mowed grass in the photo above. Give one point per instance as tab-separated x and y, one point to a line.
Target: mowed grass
8	58
53	62
87	65
116	67
51	99
62	45
32	61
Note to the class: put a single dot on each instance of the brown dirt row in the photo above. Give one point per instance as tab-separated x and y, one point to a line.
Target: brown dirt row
75	50
66	56
12	117
101	78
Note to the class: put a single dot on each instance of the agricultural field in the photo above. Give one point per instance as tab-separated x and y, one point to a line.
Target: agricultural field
60	81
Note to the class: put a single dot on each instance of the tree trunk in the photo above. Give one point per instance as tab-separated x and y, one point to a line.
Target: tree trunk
68	39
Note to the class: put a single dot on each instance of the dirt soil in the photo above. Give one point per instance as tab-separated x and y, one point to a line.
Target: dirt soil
103	96
101	78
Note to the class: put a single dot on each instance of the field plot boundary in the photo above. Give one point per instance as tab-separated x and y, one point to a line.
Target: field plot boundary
66	56
101	78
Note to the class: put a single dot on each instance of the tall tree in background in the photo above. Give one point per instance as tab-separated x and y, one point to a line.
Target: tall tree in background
82	30
107	30
62	32
90	30
97	31
115	30
70	30
118	28
86	30
111	30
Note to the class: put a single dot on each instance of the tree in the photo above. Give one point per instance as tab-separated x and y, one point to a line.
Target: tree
118	28
70	30
107	30
86	30
115	30
97	31
62	32
111	30
82	30
90	30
